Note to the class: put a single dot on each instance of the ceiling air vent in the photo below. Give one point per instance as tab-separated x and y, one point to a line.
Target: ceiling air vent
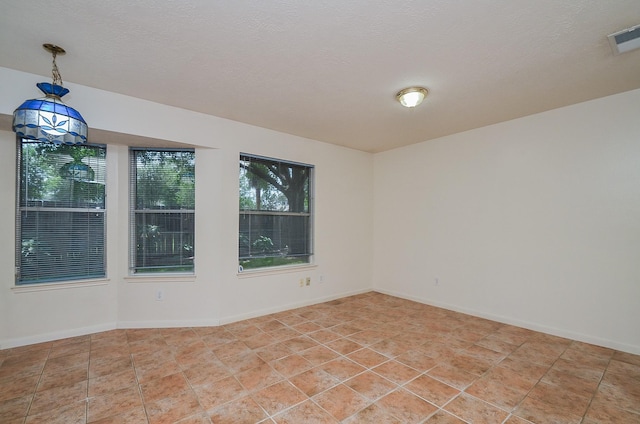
625	40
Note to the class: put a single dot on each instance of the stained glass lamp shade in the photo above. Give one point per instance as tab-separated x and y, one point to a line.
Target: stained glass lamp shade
48	118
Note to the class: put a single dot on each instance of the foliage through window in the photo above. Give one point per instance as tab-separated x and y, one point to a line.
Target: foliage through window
60	222
162	210
275	212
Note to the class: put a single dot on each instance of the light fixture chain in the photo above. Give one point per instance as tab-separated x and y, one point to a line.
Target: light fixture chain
57	78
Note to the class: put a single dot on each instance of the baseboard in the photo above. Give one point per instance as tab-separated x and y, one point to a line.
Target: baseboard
82	331
282	308
612	344
55	335
123	325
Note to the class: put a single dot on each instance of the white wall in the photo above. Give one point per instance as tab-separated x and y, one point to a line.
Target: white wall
534	221
217	294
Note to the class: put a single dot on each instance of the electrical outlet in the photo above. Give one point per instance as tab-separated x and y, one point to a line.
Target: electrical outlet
302	282
436	281
159	295
321	279
308	281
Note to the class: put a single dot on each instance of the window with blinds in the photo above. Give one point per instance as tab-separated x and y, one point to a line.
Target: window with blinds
162	210
275	212
60	222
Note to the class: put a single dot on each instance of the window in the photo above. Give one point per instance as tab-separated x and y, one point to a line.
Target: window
162	208
60	222
275	213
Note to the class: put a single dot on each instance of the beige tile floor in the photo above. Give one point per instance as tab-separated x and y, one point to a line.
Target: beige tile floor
369	358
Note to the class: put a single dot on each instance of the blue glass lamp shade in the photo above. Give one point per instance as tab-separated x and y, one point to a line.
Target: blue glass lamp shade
49	119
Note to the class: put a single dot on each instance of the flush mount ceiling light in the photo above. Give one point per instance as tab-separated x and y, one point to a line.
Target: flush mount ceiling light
412	96
48	118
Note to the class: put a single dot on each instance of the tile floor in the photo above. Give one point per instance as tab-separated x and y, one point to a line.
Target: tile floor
369	358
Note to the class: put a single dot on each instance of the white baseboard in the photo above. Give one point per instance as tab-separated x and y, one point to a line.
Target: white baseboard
82	331
56	335
282	308
123	325
612	344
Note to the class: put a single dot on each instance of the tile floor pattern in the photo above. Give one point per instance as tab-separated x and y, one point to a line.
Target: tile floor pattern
369	358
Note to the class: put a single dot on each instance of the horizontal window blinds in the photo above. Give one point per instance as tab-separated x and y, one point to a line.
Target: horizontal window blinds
162	210
61	219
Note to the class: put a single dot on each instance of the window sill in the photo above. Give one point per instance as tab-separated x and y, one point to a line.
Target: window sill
259	272
36	287
161	278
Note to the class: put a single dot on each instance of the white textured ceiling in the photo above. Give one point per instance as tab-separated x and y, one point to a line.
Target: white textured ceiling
329	69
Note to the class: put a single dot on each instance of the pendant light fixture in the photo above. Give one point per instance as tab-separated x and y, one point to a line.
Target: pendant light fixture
48	118
412	96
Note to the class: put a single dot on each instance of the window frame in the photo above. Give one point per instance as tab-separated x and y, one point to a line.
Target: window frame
24	206
309	214
137	271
